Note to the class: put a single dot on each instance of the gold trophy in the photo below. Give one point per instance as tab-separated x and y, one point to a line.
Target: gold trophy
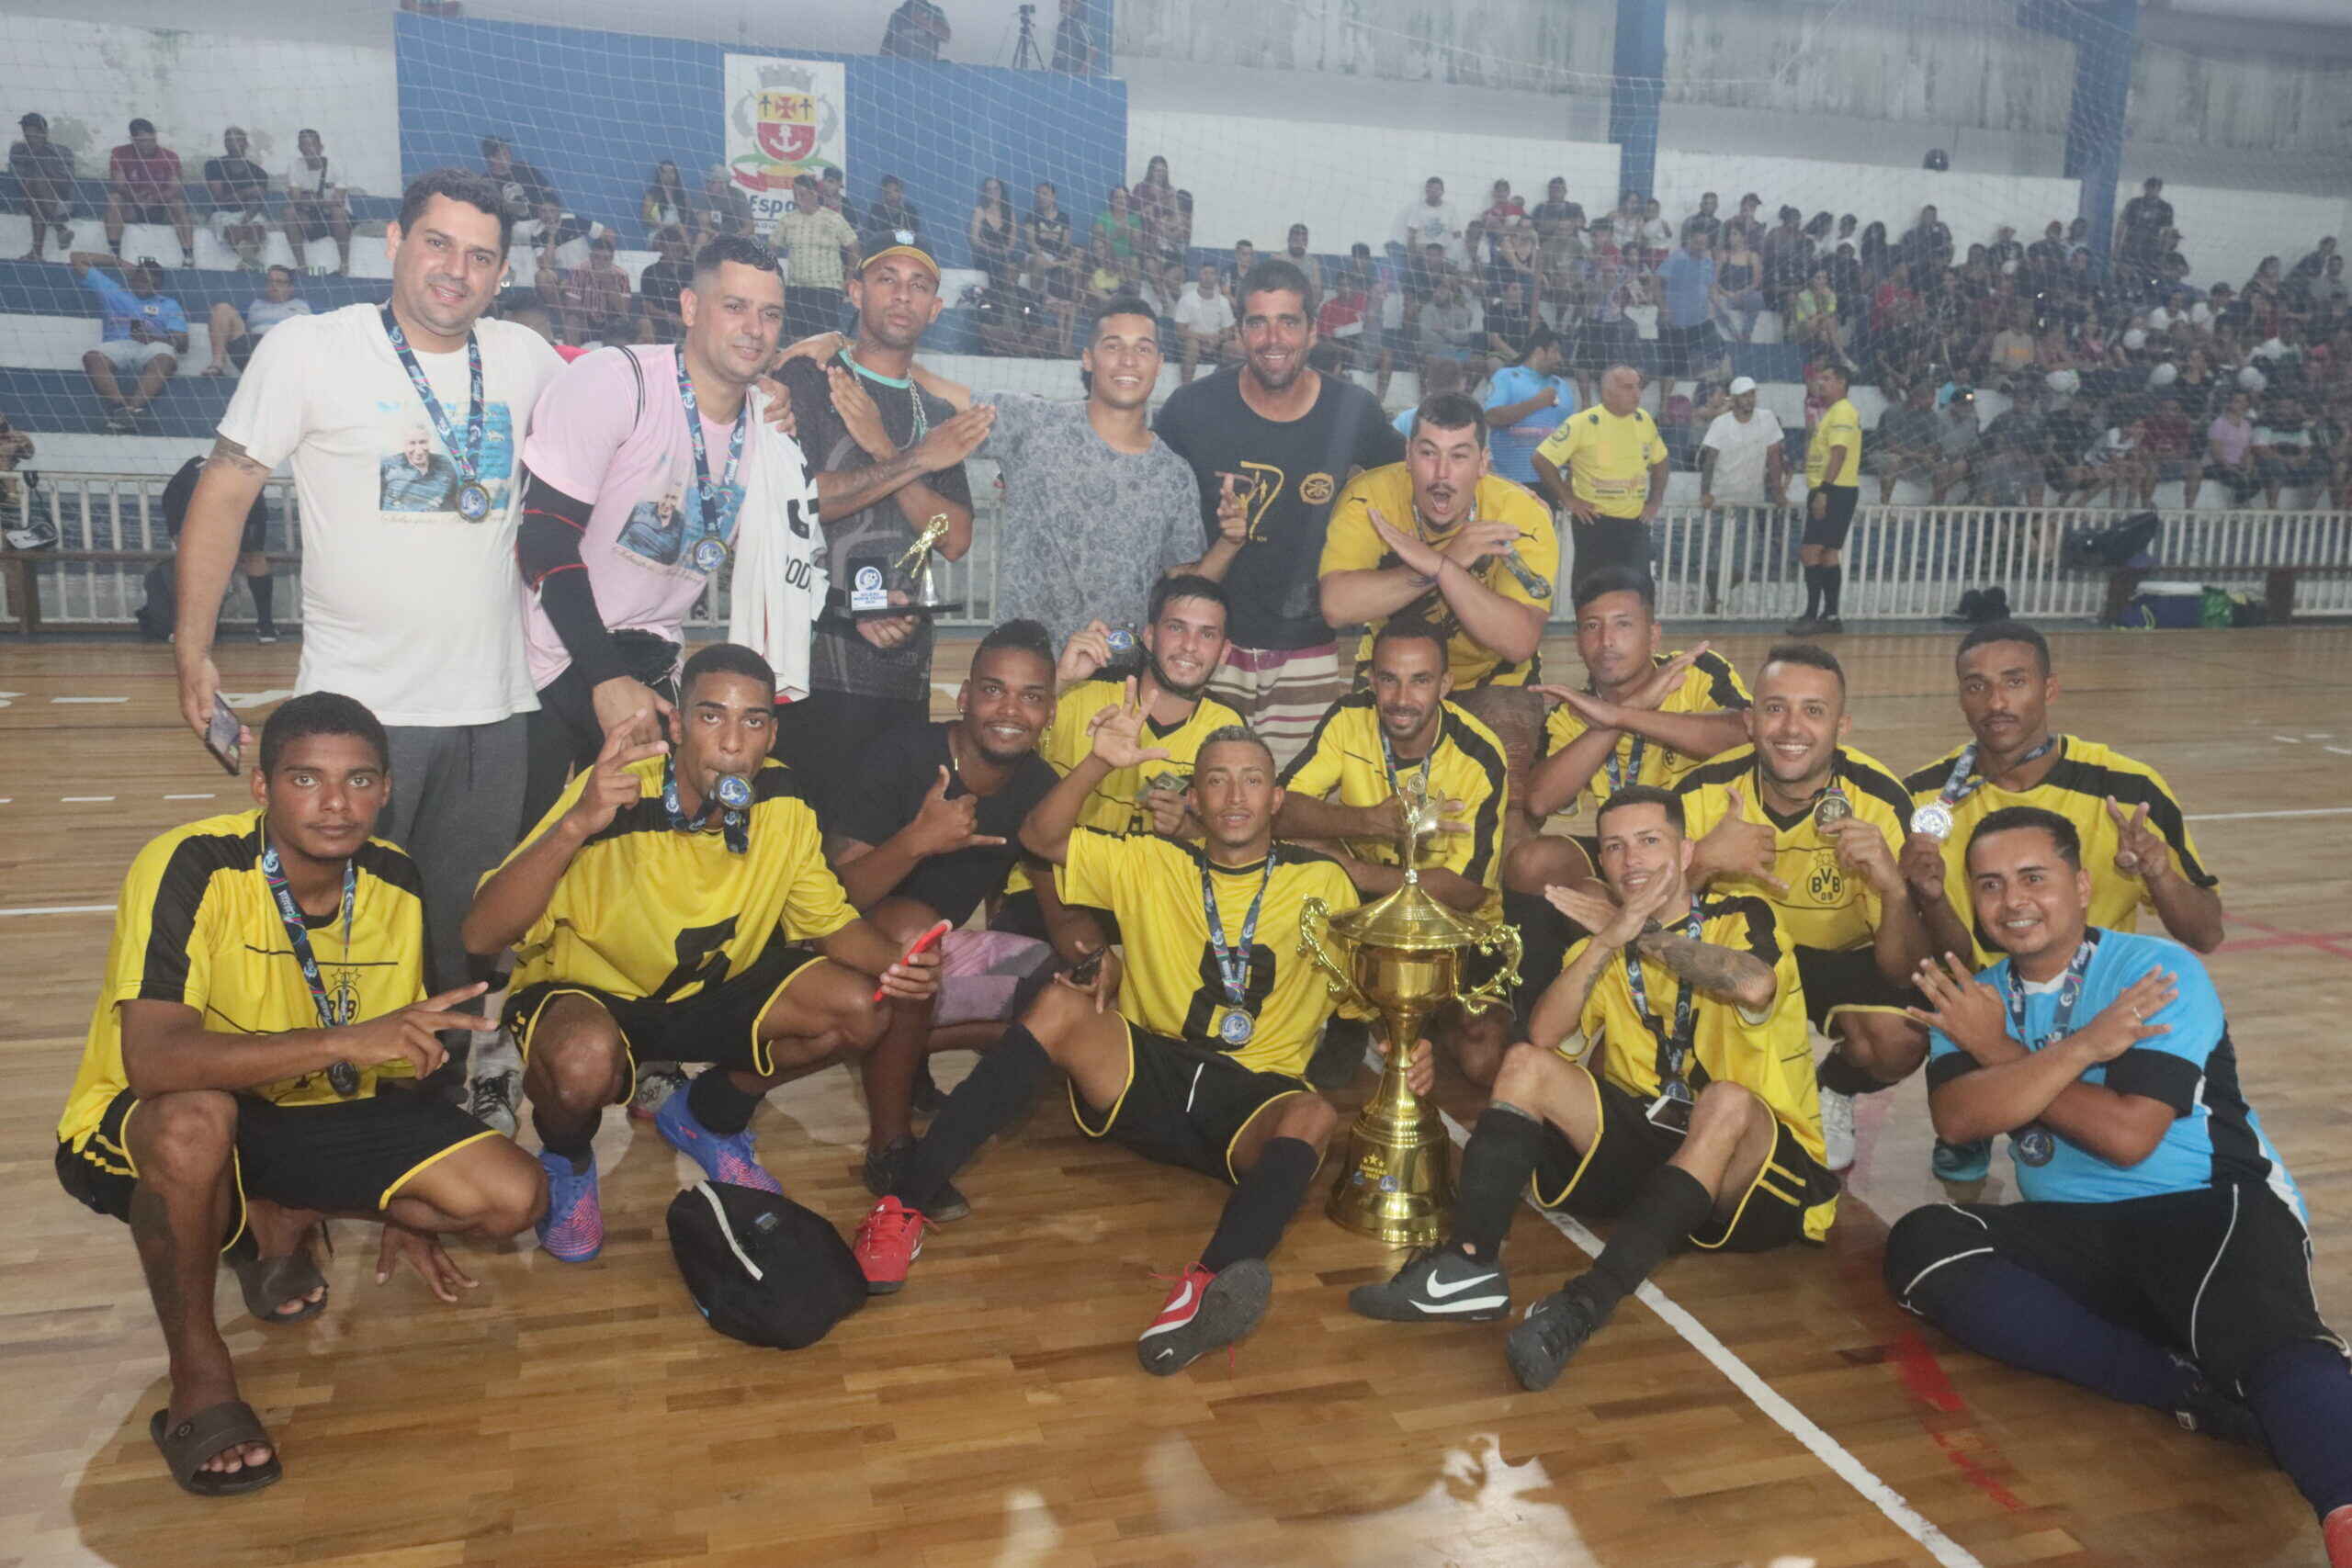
1405	955
872	593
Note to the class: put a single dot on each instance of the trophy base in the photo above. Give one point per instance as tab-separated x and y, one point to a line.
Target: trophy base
839	614
1396	1183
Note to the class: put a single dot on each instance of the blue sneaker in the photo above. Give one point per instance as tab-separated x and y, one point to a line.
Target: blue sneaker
572	1230
1962	1162
725	1158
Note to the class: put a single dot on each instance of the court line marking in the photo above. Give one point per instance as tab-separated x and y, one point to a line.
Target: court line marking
61	909
2251	816
1948	1552
89	699
83	799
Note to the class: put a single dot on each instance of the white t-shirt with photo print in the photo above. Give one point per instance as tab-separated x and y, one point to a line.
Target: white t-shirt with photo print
406	606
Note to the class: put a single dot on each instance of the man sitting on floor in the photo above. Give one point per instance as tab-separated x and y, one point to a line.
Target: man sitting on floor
660	907
2160	1255
263	994
1200	1065
1700	1129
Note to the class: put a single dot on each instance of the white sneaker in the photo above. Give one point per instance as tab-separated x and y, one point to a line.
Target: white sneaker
1837	1129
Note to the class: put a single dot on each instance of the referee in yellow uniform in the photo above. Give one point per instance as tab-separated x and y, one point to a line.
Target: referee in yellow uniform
1833	477
1607	466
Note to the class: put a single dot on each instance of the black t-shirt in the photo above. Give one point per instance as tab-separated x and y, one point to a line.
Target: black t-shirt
1298	468
247	180
839	659
662	282
885	792
182	489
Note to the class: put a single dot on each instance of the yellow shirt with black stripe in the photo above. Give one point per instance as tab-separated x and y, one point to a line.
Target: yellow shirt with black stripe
2077	787
644	910
1171	985
1608	457
1466	763
1772	1057
1712	684
1839	426
1352	545
1114	804
196	924
1826	907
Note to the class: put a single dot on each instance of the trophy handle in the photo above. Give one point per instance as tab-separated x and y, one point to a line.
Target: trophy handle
1314	921
1506	939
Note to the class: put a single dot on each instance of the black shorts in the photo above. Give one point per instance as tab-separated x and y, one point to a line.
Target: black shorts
1830	529
149	212
1600	1182
352	1156
254	541
2221	1272
311	217
1849	982
719	1024
1184	1104
1021	915
1678	347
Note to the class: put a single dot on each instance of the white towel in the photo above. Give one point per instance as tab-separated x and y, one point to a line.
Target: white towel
780	578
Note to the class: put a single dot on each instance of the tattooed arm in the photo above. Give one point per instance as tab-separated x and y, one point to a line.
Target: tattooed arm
1725	972
225	493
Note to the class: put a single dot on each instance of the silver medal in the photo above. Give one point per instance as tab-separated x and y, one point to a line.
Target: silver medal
1235	1028
732	791
473	501
1933	819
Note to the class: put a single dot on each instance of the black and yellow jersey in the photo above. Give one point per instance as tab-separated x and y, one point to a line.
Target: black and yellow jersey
2077	787
196	924
1826	906
645	910
1712	684
1113	805
1171	985
1352	545
1772	1057
1466	763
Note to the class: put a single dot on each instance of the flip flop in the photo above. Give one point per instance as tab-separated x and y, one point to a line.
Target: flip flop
211	1431
269	1283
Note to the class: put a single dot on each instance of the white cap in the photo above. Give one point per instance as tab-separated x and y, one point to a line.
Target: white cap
1742	384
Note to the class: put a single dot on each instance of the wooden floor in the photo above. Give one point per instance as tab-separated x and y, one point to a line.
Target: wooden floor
994	1415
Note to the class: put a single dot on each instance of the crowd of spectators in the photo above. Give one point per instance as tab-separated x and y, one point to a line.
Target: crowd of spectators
2116	374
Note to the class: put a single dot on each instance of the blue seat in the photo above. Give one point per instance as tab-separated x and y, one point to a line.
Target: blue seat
62	400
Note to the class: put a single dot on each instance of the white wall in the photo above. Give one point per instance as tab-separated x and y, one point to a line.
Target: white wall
1971	204
92	78
2226	232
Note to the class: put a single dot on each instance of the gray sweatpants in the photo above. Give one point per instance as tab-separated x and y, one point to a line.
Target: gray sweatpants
456	801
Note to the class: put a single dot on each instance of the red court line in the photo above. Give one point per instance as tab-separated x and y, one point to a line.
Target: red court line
2279	936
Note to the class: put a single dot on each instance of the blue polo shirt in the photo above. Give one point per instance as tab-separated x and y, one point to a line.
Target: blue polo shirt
1689	280
1513	445
2215	1137
122	307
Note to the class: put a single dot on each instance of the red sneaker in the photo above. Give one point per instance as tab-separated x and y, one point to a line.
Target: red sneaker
888	1240
2337	1530
1203	1312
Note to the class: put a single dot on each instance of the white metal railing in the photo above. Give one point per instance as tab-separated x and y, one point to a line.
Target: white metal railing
1903	563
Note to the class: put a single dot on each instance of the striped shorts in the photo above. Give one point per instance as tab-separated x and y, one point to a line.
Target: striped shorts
1283	693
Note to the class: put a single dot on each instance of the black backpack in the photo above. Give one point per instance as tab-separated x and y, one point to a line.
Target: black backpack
760	1267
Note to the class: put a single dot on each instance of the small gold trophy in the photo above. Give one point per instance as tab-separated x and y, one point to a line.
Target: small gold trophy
874	591
1405	957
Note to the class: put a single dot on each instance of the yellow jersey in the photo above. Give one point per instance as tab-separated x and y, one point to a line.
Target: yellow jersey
1171	985
1466	763
1352	545
1839	426
1712	684
646	912
1115	805
1772	1057
1826	907
1607	458
196	924
2077	787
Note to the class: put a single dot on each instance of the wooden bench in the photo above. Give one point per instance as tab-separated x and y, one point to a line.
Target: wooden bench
2278	583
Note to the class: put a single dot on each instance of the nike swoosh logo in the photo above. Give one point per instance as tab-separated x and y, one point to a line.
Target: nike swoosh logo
1442	1291
1471	1304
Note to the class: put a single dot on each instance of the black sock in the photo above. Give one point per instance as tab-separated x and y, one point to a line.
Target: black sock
1813	593
717	1104
2303	1394
1669	1205
264	591
1505	1144
1833	578
1261	1203
1840	1074
998	1089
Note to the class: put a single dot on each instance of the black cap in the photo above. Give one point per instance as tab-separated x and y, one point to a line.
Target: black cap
143	125
32	121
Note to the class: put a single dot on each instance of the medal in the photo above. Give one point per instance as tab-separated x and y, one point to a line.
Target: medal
473	501
714	504
710	554
1232	963
1936	818
1832	808
2033	1143
1236	1028
473	496
1933	819
341	1076
1674	1050
2034	1146
1121	642
732	791
734	822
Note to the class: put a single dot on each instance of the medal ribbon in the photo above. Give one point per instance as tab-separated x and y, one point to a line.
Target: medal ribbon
468	462
1964	780
718	515
1232	963
1674	1050
734	825
343	1075
2070	992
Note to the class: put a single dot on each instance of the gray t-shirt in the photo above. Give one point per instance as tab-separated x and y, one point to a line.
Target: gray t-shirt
1086	529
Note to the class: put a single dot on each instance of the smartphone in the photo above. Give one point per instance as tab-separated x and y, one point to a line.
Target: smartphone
1082	973
923	943
221	737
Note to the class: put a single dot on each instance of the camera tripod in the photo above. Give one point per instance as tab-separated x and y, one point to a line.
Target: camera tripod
1025	54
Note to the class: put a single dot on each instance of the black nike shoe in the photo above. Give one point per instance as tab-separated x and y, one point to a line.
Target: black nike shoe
1437	1284
1553	1330
882	1169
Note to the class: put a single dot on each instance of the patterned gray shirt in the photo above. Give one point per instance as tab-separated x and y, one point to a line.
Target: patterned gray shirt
1087	530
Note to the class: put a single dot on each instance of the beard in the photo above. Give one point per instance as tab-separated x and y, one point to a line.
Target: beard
1172	685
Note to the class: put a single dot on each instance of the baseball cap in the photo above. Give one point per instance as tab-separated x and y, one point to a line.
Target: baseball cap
903	245
1741	384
